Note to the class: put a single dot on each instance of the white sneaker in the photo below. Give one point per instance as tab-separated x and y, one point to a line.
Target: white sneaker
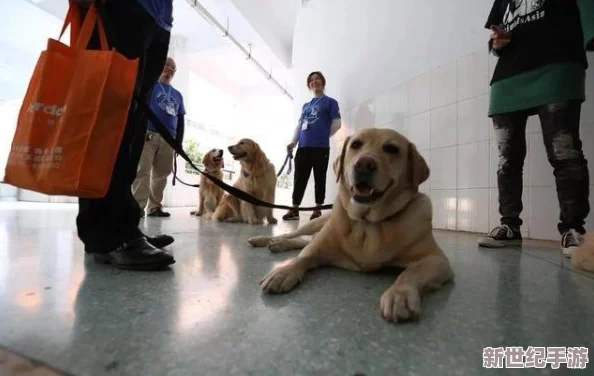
570	242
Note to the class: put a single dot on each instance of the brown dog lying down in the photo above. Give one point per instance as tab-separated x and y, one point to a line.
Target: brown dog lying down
210	194
379	219
583	258
258	178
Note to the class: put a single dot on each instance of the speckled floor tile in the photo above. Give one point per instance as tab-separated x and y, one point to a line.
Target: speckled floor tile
207	316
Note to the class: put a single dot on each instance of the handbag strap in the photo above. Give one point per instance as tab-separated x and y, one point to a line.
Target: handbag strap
86	32
73	20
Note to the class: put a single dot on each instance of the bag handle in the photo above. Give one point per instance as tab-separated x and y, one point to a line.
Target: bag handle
87	29
72	19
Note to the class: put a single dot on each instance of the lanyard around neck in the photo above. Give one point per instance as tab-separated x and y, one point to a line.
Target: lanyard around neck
168	93
313	102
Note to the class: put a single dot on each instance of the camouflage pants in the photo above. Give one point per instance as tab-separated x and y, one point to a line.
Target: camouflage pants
560	131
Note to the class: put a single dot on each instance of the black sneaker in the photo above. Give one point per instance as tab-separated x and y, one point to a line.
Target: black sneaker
570	242
292	215
502	236
315	214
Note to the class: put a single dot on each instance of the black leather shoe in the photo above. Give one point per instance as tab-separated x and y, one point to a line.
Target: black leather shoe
158	212
160	241
136	255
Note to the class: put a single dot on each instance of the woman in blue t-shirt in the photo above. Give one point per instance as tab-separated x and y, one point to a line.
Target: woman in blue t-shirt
319	120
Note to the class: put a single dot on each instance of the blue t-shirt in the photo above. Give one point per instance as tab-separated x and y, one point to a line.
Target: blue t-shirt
160	10
167	103
318	114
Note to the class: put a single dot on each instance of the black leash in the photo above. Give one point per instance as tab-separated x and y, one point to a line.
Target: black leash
226	187
288	159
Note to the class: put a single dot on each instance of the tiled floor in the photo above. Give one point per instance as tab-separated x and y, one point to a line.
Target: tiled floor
206	316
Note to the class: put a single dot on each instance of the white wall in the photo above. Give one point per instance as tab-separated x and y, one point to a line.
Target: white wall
423	69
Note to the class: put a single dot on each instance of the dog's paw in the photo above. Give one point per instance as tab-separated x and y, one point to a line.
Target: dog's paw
280	280
279	245
259	241
272	221
255	221
400	303
207	216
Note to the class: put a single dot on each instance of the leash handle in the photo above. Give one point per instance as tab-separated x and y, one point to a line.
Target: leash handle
226	187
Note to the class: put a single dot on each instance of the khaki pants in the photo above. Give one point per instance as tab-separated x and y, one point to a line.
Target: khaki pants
156	163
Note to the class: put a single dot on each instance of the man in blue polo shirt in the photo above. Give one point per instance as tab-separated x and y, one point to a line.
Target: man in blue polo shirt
156	161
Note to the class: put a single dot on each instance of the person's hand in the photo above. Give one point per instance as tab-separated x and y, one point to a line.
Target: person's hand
500	37
290	147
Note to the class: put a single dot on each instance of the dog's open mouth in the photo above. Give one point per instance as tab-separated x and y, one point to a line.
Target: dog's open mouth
364	193
217	159
239	156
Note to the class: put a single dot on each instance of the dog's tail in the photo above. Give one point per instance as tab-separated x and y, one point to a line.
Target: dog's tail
583	258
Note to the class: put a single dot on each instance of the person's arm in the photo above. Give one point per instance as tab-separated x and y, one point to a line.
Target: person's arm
587	15
296	132
495	18
335	116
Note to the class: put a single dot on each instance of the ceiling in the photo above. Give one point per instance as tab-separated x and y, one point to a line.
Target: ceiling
275	21
266	25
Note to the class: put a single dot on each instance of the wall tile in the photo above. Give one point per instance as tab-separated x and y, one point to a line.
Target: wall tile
444	122
443	168
444	204
473	165
473	75
391	108
443	85
473	210
419	130
473	122
544	213
419	94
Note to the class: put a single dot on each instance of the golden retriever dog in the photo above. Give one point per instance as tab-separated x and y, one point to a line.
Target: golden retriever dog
583	258
258	178
379	219
210	194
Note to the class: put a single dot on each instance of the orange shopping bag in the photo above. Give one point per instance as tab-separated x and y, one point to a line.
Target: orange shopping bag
73	116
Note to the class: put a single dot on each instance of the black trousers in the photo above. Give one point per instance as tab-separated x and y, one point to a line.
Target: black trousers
105	223
307	159
560	130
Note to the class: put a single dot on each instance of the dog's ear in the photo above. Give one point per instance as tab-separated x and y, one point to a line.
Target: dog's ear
336	165
417	166
340	160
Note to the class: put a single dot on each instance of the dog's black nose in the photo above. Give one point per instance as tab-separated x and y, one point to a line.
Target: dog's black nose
230	148
365	165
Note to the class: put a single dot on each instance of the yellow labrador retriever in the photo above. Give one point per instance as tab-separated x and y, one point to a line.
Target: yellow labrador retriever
379	219
258	178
